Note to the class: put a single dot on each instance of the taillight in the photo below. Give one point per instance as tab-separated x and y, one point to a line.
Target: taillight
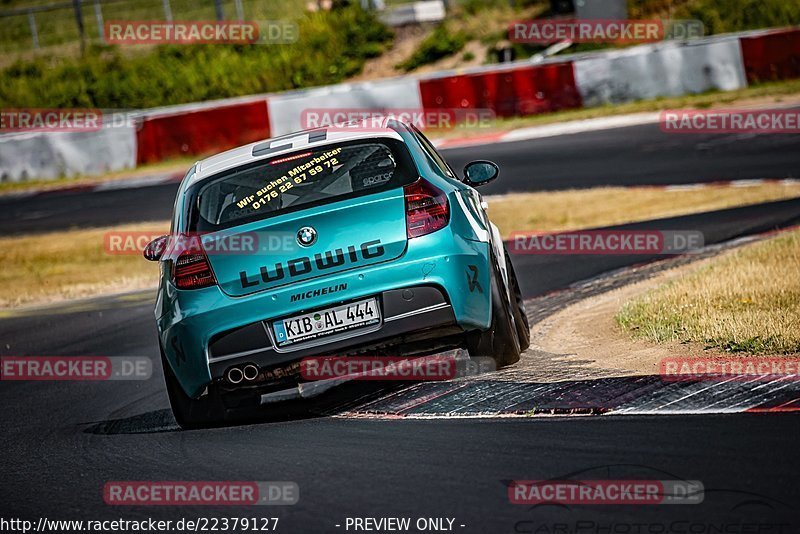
191	270
427	209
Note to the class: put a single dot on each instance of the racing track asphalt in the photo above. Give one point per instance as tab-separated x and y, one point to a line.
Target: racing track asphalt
61	441
635	155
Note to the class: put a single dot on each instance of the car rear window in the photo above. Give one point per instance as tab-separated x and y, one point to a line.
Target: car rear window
299	180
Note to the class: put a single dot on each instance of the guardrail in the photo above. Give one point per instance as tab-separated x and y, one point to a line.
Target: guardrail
671	68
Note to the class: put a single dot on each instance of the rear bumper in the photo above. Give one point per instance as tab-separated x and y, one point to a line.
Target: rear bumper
416	310
203	332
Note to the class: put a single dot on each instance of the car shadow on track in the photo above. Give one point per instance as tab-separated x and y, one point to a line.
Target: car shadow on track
338	400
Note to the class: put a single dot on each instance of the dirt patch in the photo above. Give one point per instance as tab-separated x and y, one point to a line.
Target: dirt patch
406	40
474	50
586	331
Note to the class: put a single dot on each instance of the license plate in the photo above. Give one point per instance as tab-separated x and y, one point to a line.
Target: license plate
326	322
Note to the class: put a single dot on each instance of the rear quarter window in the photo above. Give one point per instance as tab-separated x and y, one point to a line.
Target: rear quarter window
299	180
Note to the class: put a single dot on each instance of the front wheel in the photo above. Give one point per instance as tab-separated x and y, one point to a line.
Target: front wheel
207	411
501	340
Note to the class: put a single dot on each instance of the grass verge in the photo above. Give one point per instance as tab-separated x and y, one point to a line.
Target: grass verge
747	301
73	264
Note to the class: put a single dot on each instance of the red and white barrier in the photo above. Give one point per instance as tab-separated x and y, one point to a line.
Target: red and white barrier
522	88
771	55
660	70
47	156
211	128
286	109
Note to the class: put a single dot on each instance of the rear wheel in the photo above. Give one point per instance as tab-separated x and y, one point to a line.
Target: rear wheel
190	413
518	305
501	340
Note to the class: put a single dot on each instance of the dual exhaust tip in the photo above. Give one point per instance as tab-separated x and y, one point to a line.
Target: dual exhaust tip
236	375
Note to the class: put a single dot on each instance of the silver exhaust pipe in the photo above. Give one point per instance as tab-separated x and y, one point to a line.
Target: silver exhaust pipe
250	372
235	375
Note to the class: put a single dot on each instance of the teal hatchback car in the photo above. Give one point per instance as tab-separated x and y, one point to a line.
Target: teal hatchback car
340	241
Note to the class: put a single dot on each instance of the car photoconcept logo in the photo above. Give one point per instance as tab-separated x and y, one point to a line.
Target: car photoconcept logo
306	236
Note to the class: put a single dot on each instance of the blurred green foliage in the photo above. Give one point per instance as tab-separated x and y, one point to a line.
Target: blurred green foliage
58	31
717	16
722	16
331	47
439	44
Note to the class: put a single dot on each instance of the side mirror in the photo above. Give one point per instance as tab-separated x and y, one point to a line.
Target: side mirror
480	172
155	249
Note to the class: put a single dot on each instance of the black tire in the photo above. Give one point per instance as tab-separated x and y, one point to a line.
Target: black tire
206	411
501	340
520	317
